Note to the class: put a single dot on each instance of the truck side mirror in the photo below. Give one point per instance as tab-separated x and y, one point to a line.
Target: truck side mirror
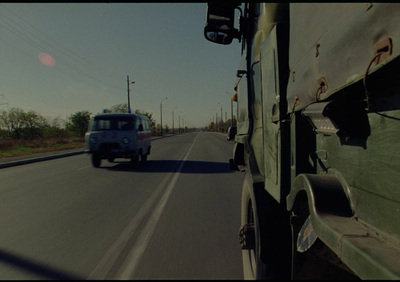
140	127
220	23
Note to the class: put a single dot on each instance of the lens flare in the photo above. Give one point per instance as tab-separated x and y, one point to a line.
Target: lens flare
47	59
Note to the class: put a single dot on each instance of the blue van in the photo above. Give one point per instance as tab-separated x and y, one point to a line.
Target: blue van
112	136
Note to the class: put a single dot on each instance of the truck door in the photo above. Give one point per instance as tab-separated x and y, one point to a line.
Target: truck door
242	102
271	123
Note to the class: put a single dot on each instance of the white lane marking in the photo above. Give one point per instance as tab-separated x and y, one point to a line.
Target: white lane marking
108	260
85	167
138	249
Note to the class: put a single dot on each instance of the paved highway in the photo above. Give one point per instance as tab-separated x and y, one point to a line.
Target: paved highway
175	217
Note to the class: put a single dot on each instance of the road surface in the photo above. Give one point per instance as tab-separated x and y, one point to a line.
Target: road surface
175	217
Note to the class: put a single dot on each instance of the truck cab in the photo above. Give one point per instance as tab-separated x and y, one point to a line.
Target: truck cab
318	136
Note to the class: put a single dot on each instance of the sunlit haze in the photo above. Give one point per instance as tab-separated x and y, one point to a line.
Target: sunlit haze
60	58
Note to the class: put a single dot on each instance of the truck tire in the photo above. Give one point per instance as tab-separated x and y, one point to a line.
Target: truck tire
253	267
96	160
268	251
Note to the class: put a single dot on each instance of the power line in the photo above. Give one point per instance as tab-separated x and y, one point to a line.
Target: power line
23	33
81	60
63	72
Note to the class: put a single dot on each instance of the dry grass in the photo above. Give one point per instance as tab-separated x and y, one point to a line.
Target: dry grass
12	148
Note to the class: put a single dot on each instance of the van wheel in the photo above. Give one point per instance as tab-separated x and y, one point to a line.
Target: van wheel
134	160
96	160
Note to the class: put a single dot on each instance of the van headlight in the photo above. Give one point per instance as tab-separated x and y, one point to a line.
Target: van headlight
93	140
125	140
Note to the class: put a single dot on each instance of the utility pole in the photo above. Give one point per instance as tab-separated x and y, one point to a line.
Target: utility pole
216	121
3	103
222	120
129	101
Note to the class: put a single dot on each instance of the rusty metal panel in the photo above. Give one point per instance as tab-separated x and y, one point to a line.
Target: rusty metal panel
341	41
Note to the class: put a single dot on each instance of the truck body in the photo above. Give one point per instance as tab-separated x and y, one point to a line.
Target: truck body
318	136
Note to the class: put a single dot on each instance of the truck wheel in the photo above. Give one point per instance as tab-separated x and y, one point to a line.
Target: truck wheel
96	160
266	242
250	234
143	158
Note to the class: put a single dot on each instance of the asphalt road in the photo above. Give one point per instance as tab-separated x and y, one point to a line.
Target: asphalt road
175	217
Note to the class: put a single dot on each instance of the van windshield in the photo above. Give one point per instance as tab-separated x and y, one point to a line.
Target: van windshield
113	123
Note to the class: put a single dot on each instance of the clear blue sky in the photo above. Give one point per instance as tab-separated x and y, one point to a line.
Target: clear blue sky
95	46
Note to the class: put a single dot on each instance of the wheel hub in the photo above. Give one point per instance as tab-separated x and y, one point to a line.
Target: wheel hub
247	237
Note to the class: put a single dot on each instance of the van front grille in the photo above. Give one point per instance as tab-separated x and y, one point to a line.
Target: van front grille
109	147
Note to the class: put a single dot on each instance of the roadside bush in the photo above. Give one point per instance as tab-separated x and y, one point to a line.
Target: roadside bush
6	144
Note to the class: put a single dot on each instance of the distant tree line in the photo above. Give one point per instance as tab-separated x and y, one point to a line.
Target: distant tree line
221	126
19	124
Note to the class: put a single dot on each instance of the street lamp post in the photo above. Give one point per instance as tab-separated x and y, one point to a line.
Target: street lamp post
222	120
179	121
173	120
129	99
161	112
